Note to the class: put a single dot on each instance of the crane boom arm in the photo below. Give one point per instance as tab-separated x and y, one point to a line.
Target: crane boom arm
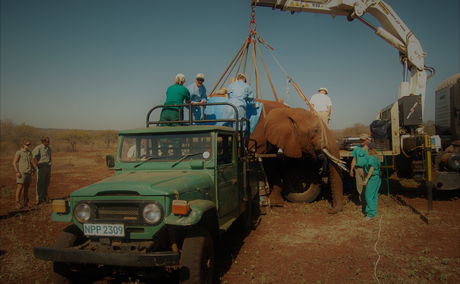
392	29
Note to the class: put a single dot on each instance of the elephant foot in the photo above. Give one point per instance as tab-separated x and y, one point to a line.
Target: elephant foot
276	197
334	210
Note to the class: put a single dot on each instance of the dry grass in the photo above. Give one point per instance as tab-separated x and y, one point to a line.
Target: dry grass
299	243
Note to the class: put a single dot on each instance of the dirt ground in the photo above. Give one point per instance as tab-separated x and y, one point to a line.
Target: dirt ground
297	243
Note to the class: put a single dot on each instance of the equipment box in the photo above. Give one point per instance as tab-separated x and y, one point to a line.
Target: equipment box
410	111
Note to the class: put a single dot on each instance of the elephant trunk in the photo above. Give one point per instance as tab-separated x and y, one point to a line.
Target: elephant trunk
335	181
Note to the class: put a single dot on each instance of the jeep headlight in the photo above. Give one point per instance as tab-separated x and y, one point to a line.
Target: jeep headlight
82	212
152	213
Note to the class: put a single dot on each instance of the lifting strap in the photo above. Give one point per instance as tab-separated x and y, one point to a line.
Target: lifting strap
289	78
240	61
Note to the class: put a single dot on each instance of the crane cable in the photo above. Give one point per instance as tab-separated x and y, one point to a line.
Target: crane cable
289	78
242	57
324	139
234	60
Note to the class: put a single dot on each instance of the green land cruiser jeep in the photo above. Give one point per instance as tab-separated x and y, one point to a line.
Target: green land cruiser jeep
175	190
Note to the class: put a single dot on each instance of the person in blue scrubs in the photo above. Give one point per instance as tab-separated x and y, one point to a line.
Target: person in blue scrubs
372	182
241	95
197	96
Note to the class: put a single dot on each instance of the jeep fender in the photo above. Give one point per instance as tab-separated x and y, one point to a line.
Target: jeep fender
198	209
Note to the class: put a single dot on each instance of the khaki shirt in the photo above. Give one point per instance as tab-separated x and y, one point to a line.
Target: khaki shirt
42	154
24	162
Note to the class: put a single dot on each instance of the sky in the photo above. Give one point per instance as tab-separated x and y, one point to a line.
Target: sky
102	64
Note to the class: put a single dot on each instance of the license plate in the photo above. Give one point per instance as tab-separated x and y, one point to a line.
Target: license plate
106	230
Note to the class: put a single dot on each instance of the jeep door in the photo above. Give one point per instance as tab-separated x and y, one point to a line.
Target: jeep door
226	179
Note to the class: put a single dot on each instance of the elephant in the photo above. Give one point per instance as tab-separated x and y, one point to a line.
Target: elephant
308	146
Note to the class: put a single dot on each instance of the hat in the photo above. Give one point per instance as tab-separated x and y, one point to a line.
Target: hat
323	89
363	136
241	75
199	76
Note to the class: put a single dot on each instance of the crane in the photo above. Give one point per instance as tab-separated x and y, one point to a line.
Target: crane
415	75
393	30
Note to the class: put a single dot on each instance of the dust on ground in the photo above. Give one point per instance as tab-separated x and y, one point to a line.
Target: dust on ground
298	243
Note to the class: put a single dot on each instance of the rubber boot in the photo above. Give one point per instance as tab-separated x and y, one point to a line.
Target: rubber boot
276	196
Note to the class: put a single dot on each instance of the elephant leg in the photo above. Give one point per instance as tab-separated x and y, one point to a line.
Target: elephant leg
335	181
272	171
276	196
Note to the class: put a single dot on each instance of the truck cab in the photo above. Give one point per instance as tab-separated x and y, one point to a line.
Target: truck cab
175	189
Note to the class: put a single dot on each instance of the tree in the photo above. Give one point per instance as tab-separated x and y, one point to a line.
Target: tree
73	137
109	137
353	131
15	134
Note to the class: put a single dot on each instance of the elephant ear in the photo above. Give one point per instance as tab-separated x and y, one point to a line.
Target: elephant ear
282	129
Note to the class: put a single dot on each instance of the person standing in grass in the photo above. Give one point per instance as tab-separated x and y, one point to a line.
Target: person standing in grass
22	164
372	182
359	154
42	162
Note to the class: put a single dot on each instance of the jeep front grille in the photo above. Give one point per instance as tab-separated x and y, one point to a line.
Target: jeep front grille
118	212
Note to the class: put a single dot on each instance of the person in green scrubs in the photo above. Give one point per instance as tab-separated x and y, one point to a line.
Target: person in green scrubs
175	95
359	155
372	182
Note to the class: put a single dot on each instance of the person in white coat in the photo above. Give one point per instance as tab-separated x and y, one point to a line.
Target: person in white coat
322	104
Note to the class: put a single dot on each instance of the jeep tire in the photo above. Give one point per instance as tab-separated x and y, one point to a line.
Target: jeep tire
197	258
62	272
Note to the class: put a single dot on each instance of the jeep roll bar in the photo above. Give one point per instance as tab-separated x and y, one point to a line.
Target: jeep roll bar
237	124
190	120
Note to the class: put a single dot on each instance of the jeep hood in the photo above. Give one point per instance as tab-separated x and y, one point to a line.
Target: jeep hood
149	183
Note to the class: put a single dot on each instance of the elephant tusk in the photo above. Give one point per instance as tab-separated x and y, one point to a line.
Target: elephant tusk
335	160
343	167
330	156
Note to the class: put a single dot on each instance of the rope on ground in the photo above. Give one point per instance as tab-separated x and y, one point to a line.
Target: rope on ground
375	249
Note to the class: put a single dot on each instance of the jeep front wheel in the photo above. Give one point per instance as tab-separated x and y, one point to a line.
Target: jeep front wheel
69	237
197	258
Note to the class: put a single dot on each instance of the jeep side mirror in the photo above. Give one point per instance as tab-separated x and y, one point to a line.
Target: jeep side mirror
109	161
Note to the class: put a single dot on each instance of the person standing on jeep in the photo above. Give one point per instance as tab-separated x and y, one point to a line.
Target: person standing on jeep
198	96
42	162
175	95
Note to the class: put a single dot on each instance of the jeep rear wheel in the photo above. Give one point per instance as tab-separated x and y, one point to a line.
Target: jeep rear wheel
62	272
197	258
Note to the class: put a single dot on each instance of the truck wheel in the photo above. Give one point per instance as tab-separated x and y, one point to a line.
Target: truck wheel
249	217
309	195
302	184
197	258
69	237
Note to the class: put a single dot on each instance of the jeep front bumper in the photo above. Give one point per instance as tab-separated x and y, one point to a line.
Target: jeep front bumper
69	255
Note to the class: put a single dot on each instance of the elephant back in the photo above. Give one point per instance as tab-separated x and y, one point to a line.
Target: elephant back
257	140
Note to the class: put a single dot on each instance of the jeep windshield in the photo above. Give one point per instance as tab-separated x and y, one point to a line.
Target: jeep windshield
164	147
